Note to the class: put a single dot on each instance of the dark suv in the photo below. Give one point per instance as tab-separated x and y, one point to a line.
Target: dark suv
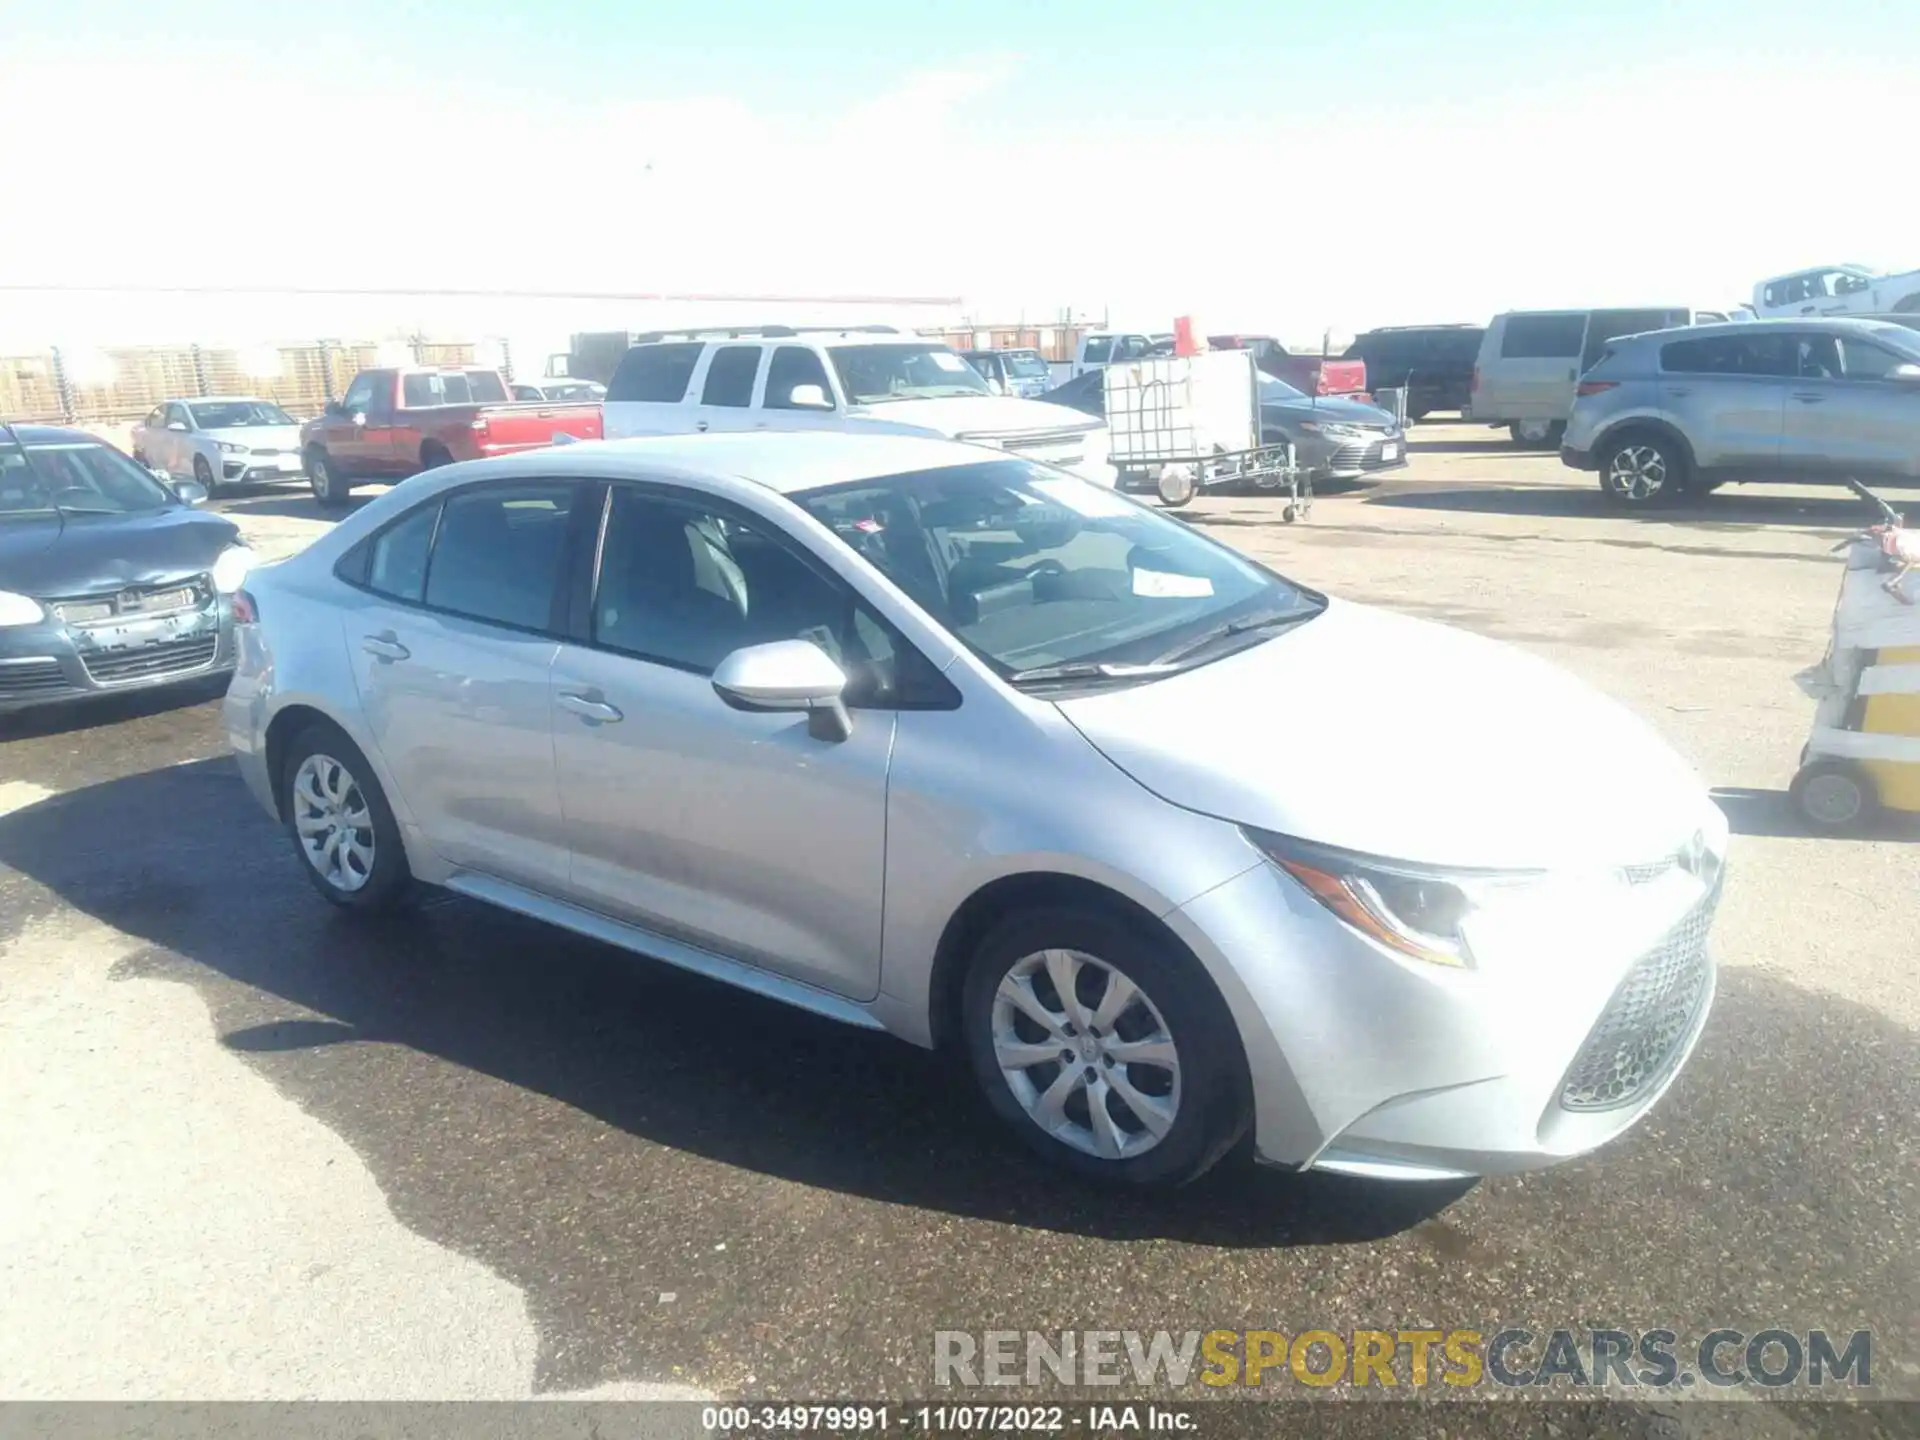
1432	363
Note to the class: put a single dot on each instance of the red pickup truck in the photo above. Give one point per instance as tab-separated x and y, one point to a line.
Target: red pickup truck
397	422
1309	374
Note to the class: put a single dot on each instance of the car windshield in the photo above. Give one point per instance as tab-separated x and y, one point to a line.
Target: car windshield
236	414
1033	568
1273	391
75	478
1026	365
874	374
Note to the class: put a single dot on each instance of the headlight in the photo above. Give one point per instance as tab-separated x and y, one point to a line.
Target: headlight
1420	911
19	609
1332	429
230	447
230	570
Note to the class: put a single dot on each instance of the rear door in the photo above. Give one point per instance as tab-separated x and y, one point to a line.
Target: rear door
1535	367
648	394
1727	394
451	644
726	386
1843	416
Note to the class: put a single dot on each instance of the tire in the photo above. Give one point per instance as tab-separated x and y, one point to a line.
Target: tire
1642	469
330	488
1201	1099
433	456
1834	797
203	472
1537	434
325	779
1176	485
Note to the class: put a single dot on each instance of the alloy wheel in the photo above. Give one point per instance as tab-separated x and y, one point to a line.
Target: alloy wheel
1086	1054
333	823
1637	472
1833	799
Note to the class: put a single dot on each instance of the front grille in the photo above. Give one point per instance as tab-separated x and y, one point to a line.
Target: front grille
1632	1046
151	662
1058	446
263	450
168	599
23	680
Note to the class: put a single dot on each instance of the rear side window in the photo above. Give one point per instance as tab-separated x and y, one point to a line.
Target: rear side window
657	374
420	391
397	565
730	376
1098	350
1770	355
485	386
498	553
791	366
1542	337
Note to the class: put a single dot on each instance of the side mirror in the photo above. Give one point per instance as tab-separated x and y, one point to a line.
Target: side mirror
1905	374
334	409
809	397
191	491
177	425
788	675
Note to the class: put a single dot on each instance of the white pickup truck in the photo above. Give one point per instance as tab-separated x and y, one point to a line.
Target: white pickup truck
1837	290
1098	350
779	378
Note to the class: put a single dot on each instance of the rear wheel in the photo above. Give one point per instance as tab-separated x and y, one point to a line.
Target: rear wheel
1642	469
433	456
330	488
340	822
1176	485
1537	434
1105	1049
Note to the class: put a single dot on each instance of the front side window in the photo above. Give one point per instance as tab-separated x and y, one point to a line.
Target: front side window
499	553
683	585
791	367
1863	360
360	395
1025	364
875	374
1032	568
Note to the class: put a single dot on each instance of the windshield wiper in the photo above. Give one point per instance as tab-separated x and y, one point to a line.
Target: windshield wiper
1089	670
1246	625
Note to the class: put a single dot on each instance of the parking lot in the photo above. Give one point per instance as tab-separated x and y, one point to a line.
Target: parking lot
250	1149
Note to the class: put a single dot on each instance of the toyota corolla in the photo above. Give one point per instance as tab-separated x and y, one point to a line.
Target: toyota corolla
960	747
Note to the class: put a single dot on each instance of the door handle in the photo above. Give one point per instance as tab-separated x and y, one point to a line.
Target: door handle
595	711
1807	399
1679	390
384	647
700	425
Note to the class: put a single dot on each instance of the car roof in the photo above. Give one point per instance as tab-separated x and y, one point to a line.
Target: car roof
55	435
1819	324
221	400
787	462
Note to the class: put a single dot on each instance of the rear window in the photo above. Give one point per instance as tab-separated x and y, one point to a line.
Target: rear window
1542	337
655	373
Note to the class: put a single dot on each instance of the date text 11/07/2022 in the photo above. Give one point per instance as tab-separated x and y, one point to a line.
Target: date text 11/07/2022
962	1419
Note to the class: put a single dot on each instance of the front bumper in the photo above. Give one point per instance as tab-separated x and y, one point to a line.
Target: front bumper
1349	459
260	467
1578	459
53	662
1575	1021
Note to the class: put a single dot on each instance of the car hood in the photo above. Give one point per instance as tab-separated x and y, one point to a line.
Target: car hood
1391	736
259	437
963	415
91	553
1351	412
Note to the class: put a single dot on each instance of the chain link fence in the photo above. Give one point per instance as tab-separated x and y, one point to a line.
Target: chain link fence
118	386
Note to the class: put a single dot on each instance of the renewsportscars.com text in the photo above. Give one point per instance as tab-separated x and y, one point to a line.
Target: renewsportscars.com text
1510	1357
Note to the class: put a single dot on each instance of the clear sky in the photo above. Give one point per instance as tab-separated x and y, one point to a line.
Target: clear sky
1284	166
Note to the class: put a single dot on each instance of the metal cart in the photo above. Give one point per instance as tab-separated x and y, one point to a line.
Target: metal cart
1187	423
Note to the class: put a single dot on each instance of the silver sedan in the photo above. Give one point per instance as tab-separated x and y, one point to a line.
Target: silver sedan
958	746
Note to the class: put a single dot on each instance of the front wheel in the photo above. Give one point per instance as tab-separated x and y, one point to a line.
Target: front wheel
1104	1049
1642	470
1834	796
340	822
330	488
203	472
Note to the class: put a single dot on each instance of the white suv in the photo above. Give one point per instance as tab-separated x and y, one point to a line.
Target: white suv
872	381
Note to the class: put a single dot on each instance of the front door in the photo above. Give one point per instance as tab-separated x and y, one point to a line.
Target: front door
790	369
359	435
451	654
740	833
1844	417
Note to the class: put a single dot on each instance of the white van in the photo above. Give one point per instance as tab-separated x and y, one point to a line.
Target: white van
872	380
1530	363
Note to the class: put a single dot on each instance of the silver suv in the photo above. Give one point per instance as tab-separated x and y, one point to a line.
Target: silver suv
1673	411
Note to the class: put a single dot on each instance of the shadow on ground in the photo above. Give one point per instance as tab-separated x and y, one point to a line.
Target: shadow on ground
75	717
1772	813
690	1183
1729	509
